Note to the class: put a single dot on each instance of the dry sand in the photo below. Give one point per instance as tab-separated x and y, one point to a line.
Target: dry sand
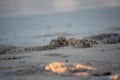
31	65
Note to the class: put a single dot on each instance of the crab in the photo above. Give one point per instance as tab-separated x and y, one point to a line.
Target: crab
62	41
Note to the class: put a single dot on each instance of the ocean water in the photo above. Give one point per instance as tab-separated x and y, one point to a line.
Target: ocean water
37	30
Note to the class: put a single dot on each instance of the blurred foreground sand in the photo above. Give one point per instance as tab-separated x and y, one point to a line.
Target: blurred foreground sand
105	58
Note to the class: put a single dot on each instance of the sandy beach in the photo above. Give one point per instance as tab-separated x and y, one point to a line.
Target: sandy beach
105	58
59	39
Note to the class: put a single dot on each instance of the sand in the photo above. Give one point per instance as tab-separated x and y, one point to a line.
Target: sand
31	65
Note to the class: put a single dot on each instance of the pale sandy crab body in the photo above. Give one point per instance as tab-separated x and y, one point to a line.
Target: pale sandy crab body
62	41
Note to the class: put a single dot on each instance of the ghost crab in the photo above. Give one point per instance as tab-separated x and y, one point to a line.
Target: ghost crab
62	41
